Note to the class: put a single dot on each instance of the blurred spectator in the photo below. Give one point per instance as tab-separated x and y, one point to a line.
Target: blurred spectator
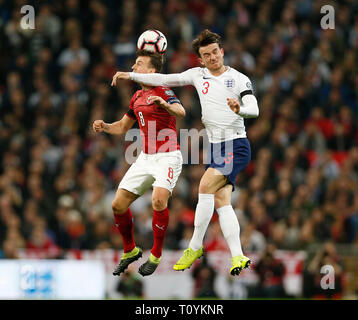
214	239
130	285
179	230
352	220
9	250
70	229
125	47
270	272
260	218
325	256
293	230
204	278
74	54
252	240
143	227
99	235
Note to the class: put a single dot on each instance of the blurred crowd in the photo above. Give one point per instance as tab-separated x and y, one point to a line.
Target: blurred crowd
58	178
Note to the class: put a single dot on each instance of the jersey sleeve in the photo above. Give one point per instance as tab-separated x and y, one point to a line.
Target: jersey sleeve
168	95
159	79
244	86
130	113
249	108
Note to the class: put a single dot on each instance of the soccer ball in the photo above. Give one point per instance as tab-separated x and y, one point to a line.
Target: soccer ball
153	41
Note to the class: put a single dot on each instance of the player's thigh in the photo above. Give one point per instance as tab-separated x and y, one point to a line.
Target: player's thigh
167	169
223	196
138	178
211	181
160	197
122	200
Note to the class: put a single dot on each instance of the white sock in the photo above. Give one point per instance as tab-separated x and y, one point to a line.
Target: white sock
231	229
203	213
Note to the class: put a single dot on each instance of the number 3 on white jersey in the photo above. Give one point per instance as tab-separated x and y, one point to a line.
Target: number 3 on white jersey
206	87
141	118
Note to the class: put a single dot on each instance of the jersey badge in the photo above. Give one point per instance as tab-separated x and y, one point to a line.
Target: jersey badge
229	83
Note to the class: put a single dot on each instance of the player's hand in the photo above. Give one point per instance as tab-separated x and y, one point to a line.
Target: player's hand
98	125
158	100
119	75
233	104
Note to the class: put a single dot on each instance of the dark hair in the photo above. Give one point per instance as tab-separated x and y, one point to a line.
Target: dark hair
156	59
205	38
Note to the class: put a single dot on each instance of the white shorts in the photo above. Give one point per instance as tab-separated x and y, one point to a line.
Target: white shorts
157	170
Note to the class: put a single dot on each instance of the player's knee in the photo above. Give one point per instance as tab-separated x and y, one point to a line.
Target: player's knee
159	204
219	201
118	207
205	188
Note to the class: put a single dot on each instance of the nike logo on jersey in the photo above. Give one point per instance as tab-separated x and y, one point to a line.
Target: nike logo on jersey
205	78
160	227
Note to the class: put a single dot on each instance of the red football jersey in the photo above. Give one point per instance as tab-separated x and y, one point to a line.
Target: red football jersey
157	125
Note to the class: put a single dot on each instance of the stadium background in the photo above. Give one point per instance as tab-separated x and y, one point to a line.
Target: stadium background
297	201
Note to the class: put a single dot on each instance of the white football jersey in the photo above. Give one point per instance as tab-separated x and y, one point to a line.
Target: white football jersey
221	123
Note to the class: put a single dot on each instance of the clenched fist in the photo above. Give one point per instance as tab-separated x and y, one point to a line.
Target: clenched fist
233	104
99	125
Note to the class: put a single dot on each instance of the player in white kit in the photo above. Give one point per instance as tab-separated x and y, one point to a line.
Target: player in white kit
226	98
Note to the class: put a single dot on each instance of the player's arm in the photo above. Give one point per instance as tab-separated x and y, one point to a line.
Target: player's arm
156	79
175	109
118	127
249	108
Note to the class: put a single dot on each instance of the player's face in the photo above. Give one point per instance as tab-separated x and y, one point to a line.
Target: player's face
143	65
211	56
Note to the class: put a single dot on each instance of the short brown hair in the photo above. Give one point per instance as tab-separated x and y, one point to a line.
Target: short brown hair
156	59
205	38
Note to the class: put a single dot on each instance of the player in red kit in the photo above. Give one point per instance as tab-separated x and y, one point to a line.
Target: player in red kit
158	165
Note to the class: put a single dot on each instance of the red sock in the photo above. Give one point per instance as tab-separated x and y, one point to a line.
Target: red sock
159	224
125	225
